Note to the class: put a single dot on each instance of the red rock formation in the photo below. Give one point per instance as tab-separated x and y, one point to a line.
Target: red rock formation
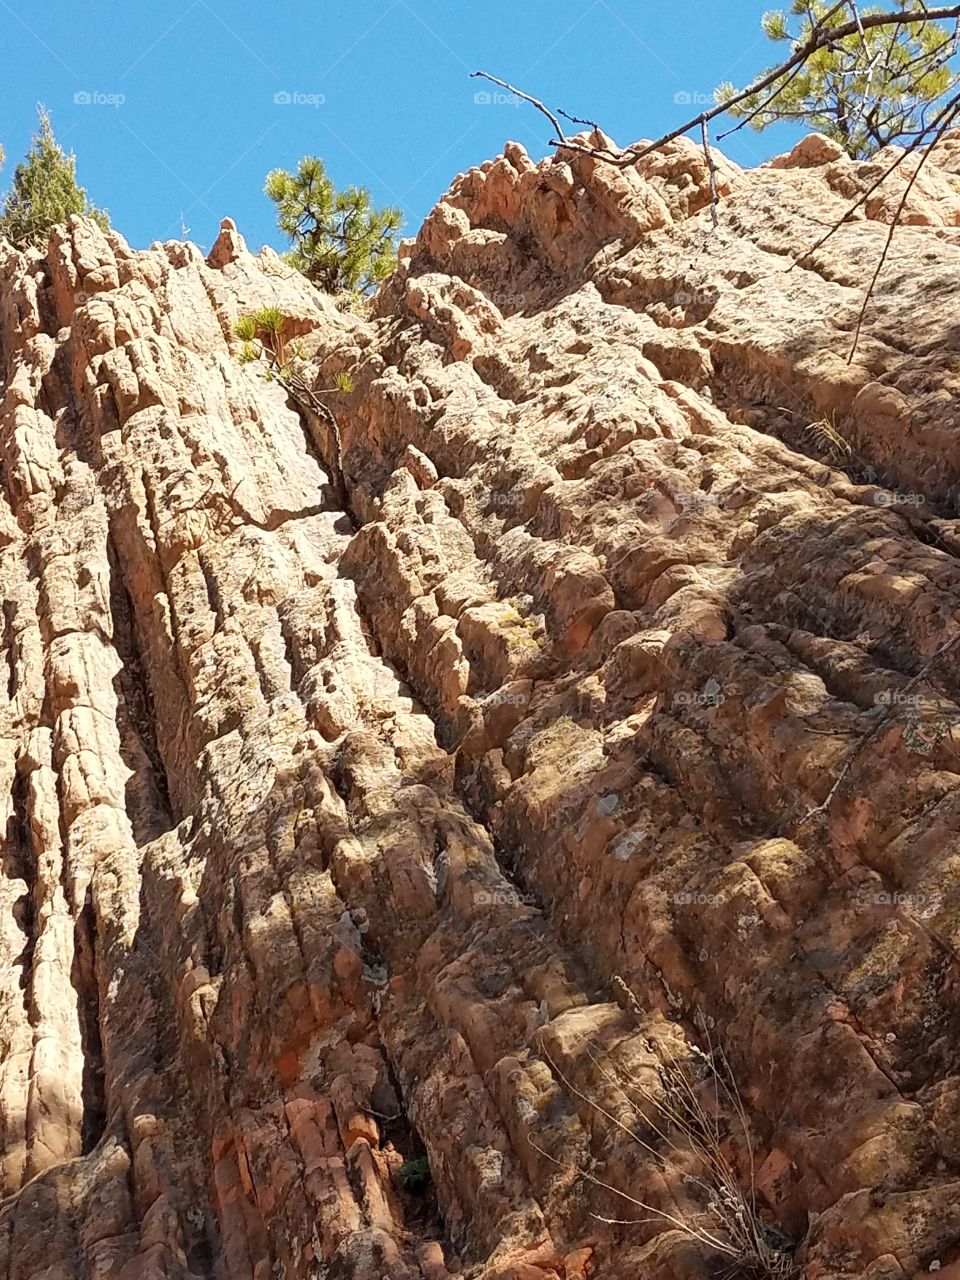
616	718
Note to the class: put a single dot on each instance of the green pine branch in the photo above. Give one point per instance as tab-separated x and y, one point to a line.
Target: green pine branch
864	89
338	239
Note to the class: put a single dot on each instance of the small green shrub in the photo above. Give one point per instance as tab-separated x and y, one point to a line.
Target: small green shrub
414	1175
246	328
284	360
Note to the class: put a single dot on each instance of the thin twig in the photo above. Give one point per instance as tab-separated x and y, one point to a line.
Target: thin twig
821	36
752	115
731	1222
712	169
534	102
895	223
942	121
579	120
872	732
680	1224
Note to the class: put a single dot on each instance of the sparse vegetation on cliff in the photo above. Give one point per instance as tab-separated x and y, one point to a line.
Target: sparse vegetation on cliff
481	780
866	78
414	1175
692	1111
265	340
44	192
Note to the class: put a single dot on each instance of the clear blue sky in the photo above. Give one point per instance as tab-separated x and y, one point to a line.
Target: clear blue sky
183	120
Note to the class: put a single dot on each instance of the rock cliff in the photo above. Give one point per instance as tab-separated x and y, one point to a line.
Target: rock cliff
613	724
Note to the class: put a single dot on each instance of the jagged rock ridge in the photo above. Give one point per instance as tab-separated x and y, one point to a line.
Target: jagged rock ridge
616	715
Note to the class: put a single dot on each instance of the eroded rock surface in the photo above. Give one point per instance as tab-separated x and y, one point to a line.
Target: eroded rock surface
617	715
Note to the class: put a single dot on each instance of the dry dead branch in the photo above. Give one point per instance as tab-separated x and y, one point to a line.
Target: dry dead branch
822	36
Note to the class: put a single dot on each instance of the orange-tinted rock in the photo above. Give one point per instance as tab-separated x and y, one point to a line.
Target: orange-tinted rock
620	719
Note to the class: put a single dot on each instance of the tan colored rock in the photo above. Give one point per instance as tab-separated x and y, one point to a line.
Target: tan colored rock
810	153
620	718
227	247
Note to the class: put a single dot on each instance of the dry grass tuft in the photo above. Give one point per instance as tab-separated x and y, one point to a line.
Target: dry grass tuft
695	1105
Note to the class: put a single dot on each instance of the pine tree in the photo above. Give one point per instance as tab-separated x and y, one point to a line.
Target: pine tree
340	241
44	192
863	90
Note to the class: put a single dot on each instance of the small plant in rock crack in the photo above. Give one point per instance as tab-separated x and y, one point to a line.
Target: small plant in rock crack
694	1106
414	1175
264	341
824	436
262	335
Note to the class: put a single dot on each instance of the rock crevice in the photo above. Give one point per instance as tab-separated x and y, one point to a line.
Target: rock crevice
356	861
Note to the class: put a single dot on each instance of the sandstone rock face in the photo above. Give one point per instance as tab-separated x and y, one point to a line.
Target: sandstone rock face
616	716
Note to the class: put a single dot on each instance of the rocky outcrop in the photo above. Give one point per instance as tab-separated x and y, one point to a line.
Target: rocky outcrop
614	721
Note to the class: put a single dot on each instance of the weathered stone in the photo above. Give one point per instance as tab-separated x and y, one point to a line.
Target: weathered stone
617	717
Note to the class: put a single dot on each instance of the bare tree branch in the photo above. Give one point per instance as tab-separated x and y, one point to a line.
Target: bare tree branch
561	140
751	116
577	120
821	37
534	102
951	116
